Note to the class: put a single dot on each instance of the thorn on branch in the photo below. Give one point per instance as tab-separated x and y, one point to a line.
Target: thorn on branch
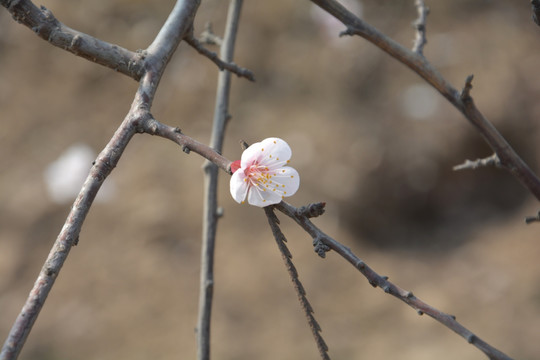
312	210
536	11
531	219
420	24
493	160
466	92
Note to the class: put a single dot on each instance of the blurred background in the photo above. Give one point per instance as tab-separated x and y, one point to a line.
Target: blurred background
369	137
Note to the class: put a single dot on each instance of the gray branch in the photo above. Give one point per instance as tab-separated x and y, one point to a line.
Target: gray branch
210	211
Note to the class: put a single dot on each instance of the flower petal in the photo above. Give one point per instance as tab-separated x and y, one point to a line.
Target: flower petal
267	152
239	186
274	151
250	155
262	197
286	181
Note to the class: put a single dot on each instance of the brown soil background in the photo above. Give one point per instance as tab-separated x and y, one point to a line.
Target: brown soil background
130	288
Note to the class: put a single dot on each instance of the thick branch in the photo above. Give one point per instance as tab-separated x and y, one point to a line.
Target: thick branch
104	164
45	25
388	287
137	120
510	160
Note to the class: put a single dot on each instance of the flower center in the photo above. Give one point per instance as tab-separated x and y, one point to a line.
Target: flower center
258	175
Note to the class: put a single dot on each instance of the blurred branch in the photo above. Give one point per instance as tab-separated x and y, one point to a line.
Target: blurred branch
510	160
222	65
388	287
138	119
300	291
536	11
208	37
46	26
493	160
531	219
420	26
210	211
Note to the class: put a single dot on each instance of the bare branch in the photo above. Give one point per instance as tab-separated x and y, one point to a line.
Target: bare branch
420	26
188	144
300	291
137	120
222	65
466	91
46	26
536	11
208	37
102	167
388	287
531	219
493	160
510	160
210	211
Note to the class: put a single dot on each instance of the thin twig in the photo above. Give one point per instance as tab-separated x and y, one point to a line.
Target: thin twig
388	287
208	37
531	219
46	26
420	25
300	291
510	160
493	160
137	120
210	211
221	64
188	144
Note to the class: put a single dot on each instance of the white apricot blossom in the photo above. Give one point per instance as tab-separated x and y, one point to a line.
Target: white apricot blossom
262	174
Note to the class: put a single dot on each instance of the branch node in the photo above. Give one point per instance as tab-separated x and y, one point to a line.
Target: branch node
466	92
209	37
493	160
177	130
186	149
348	32
409	295
220	212
360	265
386	288
471	338
531	219
320	247
420	312
312	210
